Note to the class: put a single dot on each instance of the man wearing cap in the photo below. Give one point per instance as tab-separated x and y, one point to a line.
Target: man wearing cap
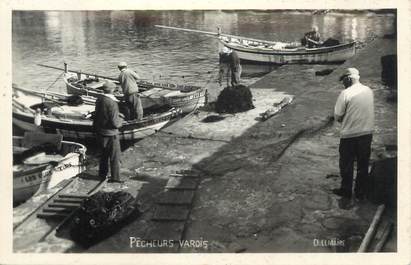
354	109
312	38
128	81
107	120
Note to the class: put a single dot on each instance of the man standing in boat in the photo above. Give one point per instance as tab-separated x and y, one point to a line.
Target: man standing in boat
106	122
312	39
128	81
354	109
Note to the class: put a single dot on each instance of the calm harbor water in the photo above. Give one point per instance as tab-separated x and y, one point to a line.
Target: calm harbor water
95	41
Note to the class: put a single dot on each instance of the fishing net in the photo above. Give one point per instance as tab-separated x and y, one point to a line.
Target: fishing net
74	100
330	42
101	215
234	99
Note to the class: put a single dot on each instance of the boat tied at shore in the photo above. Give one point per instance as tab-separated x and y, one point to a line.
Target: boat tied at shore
59	113
251	50
42	161
185	97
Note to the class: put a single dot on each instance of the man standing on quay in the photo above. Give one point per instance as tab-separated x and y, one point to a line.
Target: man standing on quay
106	122
128	80
355	110
231	59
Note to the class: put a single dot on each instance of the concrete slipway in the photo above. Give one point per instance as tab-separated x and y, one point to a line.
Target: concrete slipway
262	185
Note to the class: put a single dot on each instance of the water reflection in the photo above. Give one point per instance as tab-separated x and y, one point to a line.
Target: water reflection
95	41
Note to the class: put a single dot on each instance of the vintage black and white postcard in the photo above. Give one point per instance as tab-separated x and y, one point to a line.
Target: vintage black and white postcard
220	133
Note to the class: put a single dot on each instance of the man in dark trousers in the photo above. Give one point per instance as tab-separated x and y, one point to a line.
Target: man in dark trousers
128	81
107	121
354	109
233	62
235	68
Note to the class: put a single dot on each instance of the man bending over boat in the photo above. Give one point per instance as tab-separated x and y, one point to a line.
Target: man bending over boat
312	39
128	81
106	122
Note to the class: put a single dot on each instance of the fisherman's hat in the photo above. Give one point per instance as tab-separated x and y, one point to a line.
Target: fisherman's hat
226	49
351	72
109	86
122	64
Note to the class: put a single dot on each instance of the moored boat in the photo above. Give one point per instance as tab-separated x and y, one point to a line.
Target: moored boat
254	51
185	97
41	161
55	112
251	50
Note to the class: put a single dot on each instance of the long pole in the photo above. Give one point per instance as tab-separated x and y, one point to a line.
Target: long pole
214	34
384	238
371	230
78	72
141	82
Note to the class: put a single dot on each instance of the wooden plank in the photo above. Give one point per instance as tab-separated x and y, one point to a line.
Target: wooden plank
188	175
69	200
176	197
170	213
182	183
63	205
82	196
189	172
57	210
51	215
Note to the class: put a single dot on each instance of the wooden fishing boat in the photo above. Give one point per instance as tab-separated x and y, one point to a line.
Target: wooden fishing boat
40	170
251	50
52	112
185	97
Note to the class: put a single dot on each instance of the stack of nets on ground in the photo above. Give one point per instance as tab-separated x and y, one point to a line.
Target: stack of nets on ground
234	99
101	215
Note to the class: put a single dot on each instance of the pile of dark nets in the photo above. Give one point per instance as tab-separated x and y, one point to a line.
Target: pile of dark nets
101	215
234	99
330	42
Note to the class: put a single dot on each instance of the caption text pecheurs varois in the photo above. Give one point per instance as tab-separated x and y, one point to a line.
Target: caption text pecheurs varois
136	242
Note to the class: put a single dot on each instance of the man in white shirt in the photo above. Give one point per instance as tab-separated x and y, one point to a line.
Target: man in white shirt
354	109
128	81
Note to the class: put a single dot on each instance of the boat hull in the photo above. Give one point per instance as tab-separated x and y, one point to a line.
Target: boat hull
32	180
82	128
186	101
325	55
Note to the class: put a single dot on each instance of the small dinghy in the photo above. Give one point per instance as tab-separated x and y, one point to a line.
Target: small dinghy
41	161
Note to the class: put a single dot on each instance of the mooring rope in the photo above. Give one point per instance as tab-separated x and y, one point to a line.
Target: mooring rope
54	81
